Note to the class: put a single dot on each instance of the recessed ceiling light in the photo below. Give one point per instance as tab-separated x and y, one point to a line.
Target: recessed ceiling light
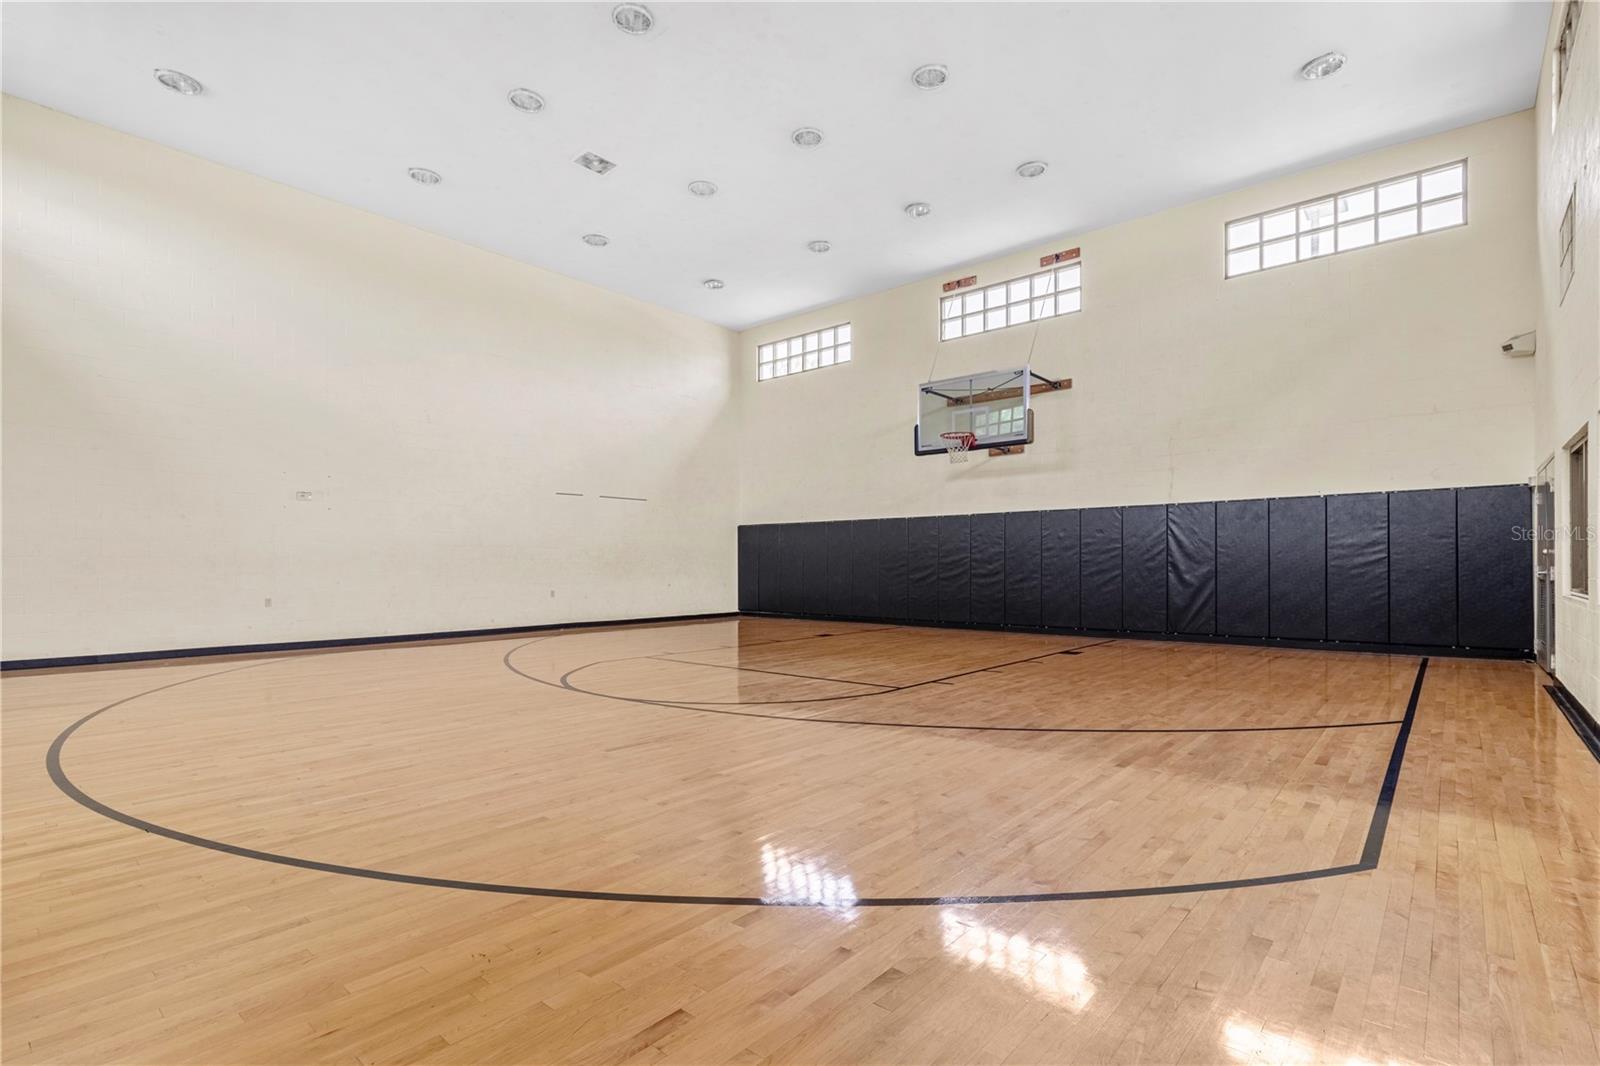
1323	66
180	82
1032	168
930	75
919	209
703	188
806	137
424	176
596	240
526	100
634	19
598	164
818	246
712	283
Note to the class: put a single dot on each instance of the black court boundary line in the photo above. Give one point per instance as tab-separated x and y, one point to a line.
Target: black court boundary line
1369	856
719	707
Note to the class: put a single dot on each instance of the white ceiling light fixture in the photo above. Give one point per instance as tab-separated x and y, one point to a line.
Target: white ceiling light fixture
819	246
918	209
179	82
596	240
526	100
930	75
1032	168
703	188
1234	129
806	137
598	164
713	283
1324	66
424	176
633	19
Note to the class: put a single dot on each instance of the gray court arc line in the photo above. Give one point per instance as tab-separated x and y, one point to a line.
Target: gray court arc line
721	707
708	709
791	640
1375	834
700	704
664	658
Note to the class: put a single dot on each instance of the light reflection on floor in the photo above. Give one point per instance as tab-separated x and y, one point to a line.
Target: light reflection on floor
1051	973
1249	1043
790	879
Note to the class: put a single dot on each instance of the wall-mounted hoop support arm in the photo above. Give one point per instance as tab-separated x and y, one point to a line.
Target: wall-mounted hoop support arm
1044	384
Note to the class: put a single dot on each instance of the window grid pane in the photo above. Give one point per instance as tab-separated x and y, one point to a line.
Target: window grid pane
1030	298
820	348
1441	213
1404	206
1277	253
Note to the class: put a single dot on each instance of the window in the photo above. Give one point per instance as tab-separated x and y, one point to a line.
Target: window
809	351
1057	291
1578	513
1564	242
1420	202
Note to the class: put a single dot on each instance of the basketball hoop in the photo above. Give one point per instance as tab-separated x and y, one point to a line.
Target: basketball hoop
957	443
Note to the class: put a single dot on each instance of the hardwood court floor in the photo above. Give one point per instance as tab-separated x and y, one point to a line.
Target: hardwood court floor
783	841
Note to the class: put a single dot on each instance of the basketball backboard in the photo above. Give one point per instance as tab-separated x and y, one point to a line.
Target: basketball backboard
992	405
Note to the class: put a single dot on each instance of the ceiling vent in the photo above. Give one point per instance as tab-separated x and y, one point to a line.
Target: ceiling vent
590	161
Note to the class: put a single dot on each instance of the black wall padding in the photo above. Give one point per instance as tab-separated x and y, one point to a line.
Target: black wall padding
1059	597
1100	564
813	567
1023	555
840	568
1144	569
819	568
1495	566
749	570
1436	568
1422	567
1192	568
1358	567
766	567
864	568
988	569
922	540
790	580
955	569
891	569
792	583
1242	568
1297	568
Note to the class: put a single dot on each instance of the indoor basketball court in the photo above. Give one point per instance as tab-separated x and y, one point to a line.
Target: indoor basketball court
778	533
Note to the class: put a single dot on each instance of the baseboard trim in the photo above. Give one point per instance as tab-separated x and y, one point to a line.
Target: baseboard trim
57	662
1583	723
1184	638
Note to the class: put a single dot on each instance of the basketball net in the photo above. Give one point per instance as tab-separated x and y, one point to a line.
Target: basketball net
957	444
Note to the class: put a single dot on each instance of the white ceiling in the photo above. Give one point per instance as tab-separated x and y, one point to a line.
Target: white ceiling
1136	107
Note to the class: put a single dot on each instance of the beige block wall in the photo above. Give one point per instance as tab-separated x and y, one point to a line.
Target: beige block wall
186	346
1375	369
1568	363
